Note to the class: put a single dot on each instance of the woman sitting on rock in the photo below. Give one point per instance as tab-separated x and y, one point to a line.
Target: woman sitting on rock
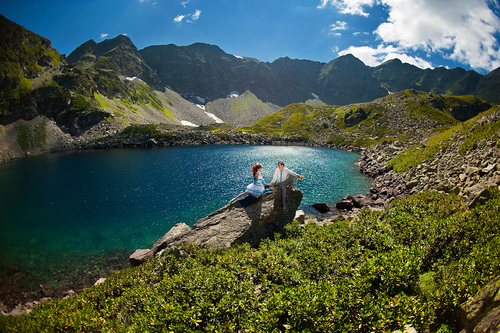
255	189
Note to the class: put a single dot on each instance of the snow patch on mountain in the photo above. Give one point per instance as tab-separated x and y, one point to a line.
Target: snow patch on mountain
133	79
233	94
201	106
200	99
214	117
315	96
188	123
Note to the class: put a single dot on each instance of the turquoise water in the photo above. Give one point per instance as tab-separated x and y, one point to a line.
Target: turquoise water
58	207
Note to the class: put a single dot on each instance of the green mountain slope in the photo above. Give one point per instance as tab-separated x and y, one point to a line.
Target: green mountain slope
105	90
240	110
408	117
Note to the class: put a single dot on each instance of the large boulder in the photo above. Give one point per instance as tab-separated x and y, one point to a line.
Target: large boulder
140	256
241	222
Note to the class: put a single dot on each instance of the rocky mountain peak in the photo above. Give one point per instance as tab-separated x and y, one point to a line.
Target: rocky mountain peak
118	54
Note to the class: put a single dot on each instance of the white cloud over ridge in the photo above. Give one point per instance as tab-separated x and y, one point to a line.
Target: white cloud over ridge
465	31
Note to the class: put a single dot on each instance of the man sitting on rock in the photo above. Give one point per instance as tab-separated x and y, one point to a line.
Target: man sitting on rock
283	177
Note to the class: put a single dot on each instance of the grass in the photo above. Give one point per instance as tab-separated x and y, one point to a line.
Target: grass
476	132
32	138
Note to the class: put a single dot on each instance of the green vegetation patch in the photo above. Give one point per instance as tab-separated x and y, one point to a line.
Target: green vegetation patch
244	104
296	122
472	133
32	138
435	107
476	132
413	156
412	264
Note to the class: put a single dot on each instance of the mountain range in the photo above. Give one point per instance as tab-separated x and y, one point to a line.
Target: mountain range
208	72
114	83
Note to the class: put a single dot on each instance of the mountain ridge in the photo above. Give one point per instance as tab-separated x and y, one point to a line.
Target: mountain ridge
342	81
111	85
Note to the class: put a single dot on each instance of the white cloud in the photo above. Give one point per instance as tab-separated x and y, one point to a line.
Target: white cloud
353	7
191	18
323	4
196	15
461	30
336	27
179	18
376	56
184	3
339	25
104	36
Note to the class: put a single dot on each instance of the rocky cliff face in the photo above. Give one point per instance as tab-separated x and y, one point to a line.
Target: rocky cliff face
241	222
119	55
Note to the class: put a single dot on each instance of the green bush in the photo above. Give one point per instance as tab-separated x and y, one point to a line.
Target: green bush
32	138
412	264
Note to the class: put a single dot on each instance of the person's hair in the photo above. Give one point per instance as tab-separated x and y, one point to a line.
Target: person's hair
256	168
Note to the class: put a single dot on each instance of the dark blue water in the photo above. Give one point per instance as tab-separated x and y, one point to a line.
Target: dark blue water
59	207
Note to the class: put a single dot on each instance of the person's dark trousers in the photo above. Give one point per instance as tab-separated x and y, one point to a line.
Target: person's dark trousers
287	182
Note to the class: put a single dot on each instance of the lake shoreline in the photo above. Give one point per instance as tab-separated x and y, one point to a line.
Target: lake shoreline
28	298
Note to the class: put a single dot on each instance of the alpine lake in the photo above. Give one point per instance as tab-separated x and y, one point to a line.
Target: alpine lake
68	218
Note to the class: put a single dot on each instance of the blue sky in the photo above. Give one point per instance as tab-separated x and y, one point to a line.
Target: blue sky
425	33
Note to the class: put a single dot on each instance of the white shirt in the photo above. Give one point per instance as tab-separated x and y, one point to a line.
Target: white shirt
280	176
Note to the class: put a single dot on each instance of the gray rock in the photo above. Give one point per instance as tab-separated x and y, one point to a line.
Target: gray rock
488	168
479	193
479	198
47	290
175	251
321	207
100	281
411	184
482	312
235	223
344	204
173	236
300	216
140	256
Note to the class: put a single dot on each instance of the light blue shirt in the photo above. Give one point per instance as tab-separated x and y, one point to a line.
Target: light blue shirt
280	175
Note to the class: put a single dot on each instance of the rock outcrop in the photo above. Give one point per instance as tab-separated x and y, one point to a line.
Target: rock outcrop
241	222
459	167
482	312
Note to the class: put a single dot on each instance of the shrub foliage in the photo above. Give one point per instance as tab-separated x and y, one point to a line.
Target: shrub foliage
412	264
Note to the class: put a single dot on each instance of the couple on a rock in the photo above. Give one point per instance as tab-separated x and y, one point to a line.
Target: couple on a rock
282	177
